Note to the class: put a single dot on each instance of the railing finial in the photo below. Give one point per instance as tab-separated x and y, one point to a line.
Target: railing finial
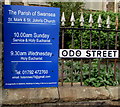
63	19
91	20
99	21
72	20
81	19
108	21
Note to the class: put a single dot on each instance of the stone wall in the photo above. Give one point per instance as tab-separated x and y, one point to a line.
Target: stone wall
61	95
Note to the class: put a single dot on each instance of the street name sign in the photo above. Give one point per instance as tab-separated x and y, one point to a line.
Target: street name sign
87	53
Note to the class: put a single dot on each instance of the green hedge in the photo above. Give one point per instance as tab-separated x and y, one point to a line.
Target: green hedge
69	7
95	34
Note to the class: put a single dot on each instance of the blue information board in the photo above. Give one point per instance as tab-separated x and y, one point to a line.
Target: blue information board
31	41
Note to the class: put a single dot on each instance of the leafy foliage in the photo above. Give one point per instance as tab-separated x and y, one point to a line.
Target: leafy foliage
105	78
96	79
68	8
85	34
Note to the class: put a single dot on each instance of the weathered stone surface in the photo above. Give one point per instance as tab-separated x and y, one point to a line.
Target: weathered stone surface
0	71
113	103
26	96
1	50
114	92
0	96
110	6
0	64
98	103
64	94
82	93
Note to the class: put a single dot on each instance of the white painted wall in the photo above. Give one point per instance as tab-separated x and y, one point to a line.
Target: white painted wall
7	2
101	5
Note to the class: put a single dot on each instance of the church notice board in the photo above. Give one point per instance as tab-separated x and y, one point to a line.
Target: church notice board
31	46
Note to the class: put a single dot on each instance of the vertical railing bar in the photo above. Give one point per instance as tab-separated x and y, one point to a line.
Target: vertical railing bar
107	61
81	74
90	61
108	27
72	72
81	46
72	20
116	39
99	58
62	74
72	58
108	40
115	62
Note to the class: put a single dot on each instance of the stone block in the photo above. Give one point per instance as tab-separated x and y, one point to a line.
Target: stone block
83	93
29	96
114	92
